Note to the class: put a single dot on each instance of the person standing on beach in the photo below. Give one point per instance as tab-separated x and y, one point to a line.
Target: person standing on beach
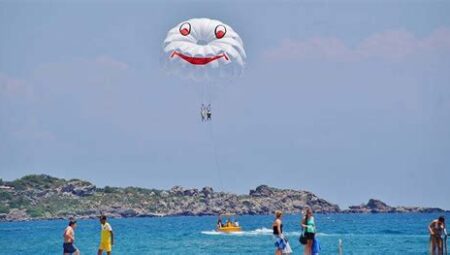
106	237
309	226
437	230
69	239
277	227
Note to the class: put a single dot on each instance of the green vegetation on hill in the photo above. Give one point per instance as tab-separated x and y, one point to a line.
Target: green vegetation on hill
46	197
36	182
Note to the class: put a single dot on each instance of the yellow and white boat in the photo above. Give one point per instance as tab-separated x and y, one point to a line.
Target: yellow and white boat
230	226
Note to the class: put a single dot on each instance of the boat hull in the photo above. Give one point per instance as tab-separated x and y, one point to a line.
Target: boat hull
229	229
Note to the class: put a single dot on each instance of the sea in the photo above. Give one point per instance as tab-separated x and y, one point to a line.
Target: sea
360	234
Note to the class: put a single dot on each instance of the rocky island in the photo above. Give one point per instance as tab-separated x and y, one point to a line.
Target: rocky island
378	206
46	197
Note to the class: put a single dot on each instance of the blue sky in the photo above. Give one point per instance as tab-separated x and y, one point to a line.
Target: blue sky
347	99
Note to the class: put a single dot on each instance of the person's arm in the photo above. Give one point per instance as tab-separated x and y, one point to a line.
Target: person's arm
430	229
112	237
304	223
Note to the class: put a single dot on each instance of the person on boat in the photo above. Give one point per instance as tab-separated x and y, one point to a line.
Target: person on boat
437	230
277	227
69	239
228	223
106	237
309	226
219	222
208	112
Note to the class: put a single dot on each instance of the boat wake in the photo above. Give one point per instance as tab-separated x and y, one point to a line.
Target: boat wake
258	231
255	232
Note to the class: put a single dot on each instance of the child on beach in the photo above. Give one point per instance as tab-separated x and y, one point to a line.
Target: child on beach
106	237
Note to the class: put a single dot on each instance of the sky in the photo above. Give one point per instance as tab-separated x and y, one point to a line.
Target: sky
347	99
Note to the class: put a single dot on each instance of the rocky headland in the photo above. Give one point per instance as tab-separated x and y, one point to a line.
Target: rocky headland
46	197
378	206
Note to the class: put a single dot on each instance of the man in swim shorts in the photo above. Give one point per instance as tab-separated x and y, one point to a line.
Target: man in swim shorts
69	239
106	237
437	230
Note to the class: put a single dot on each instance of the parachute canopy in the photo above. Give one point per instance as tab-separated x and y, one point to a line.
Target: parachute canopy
203	49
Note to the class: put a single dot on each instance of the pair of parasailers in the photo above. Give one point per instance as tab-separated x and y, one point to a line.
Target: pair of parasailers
308	239
106	238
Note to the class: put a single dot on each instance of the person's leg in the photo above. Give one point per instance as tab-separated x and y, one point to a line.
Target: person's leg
108	253
430	246
99	252
309	244
435	246
440	246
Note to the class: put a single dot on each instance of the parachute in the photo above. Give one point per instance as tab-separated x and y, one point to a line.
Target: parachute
204	50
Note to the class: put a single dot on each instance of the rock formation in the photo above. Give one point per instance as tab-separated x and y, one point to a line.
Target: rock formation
46	197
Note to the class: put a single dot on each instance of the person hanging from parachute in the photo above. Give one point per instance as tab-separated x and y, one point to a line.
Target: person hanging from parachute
204	51
208	112
203	112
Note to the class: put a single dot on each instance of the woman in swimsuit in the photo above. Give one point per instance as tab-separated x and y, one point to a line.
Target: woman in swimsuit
277	227
309	226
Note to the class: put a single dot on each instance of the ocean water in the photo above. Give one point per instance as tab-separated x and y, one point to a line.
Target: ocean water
361	234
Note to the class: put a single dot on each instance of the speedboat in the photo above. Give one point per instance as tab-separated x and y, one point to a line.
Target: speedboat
230	226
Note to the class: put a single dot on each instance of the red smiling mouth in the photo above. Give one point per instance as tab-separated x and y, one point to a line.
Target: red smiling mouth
198	60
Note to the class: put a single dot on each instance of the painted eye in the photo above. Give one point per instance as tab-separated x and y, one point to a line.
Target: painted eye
220	31
185	29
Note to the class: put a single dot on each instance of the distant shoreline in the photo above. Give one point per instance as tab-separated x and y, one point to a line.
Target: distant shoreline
43	197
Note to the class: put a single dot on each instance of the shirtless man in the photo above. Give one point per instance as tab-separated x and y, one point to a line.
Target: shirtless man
69	238
437	230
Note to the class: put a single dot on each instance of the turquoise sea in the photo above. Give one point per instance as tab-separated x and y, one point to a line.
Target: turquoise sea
361	234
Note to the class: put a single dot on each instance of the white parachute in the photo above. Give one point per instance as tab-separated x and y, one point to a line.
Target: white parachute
204	50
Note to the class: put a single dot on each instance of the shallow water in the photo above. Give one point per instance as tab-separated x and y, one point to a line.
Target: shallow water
361	234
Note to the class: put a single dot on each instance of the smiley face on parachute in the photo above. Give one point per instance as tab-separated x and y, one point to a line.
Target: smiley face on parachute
204	50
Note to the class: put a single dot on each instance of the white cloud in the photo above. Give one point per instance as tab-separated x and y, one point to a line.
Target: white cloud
388	45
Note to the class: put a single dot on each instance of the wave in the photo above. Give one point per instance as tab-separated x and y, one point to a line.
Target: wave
255	232
294	234
258	231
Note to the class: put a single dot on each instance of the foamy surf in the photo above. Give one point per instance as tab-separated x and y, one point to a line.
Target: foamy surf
258	231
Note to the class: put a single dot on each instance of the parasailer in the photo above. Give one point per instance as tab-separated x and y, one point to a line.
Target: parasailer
205	51
208	112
